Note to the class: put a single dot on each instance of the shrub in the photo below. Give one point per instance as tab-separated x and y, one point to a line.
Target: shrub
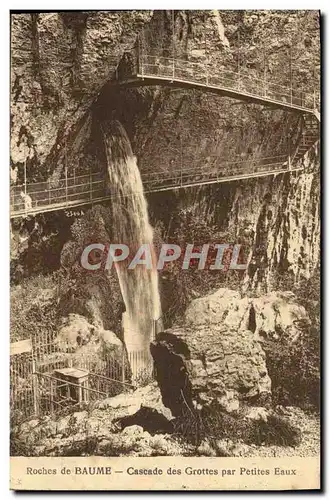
276	431
34	308
294	369
211	424
180	287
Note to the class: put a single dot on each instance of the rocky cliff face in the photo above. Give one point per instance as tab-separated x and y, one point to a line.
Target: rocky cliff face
277	220
63	68
60	61
59	90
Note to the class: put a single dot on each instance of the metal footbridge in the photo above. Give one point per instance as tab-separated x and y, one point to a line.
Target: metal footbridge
141	70
94	188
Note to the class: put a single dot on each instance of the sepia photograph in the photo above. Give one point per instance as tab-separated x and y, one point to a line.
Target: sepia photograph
165	249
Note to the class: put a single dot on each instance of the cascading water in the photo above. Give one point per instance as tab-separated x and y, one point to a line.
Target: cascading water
139	286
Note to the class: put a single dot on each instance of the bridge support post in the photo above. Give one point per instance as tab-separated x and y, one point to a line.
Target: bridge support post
141	65
66	184
140	55
25	203
314	85
90	185
291	74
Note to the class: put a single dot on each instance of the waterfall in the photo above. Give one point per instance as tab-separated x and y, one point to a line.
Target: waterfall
130	226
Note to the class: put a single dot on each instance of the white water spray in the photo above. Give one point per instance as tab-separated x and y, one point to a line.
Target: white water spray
139	286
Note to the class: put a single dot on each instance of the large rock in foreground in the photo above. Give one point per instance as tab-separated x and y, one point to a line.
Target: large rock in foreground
91	346
217	355
208	361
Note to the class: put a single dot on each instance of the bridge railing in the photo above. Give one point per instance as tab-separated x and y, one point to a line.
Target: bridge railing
212	172
93	187
63	191
208	75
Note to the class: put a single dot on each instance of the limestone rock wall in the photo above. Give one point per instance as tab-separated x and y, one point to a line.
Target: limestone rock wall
216	355
59	63
62	64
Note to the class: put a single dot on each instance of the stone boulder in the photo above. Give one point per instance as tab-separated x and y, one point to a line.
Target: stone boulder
212	358
269	316
278	314
90	346
95	432
225	306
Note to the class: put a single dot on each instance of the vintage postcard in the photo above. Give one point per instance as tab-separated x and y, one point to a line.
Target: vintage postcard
165	250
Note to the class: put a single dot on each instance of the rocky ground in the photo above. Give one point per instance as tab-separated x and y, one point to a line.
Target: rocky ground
121	426
216	354
309	424
213	395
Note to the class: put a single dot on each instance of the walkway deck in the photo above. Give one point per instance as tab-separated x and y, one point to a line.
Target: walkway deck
140	69
92	188
146	70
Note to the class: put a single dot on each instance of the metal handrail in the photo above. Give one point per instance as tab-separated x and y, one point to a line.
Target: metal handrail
244	83
271	87
181	176
173	65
